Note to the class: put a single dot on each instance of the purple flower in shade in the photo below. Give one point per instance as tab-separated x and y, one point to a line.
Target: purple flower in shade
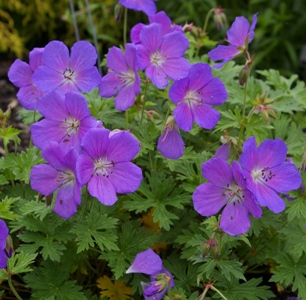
149	263
147	6
239	36
123	81
59	175
162	56
160	18
3	236
105	164
67	119
268	173
20	74
223	151
170	144
226	188
193	96
67	73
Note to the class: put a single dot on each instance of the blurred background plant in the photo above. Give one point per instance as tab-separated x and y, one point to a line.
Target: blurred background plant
280	36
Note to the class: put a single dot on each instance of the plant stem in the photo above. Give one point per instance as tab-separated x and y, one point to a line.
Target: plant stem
12	288
204	293
216	290
124	26
144	102
206	20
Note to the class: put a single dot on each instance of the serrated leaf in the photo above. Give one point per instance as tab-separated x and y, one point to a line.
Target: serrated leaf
6	208
10	134
19	262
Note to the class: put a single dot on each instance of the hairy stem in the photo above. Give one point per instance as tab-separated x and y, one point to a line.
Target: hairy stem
13	289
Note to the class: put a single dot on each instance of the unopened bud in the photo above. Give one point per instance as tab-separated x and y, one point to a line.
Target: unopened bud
118	11
244	75
219	17
9	247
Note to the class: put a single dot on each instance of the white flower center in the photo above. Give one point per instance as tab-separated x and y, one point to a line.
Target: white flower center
128	77
158	58
68	74
263	175
234	194
192	97
71	126
103	167
65	178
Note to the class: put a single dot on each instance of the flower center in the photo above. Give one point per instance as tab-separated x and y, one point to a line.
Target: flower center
68	73
192	97
65	178
103	167
71	126
263	175
234	194
158	58
128	77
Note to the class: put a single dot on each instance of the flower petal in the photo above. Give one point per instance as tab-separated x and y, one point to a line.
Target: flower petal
178	90
238	32
223	52
174	44
56	56
183	116
83	56
28	97
35	58
116	60
214	93
151	37
109	85
76	105
208	199
199	74
205	116
20	73
125	98
146	262
176	68
157	76
84	168
3	230
85	80
249	156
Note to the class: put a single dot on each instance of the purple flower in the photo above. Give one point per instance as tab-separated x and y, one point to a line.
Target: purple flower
123	80
160	18
226	188
162	56
239	36
147	6
59	174
170	144
67	119
194	94
20	74
3	236
268	173
149	263
105	164
67	73
223	151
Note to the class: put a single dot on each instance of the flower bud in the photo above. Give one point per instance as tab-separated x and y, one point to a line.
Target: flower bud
9	248
244	75
118	11
219	17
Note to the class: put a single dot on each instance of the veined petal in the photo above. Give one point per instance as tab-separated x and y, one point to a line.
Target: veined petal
235	219
286	177
183	116
146	262
126	177
161	18
174	44
28	96
214	93
249	156
157	76
67	200
151	37
3	260
35	58
199	75
208	199
251	31
20	73
178	90
122	147
251	204
176	68
3	230
135	32
125	98
109	85
218	172
84	169
238	32
86	79
76	105
223	52
48	79
54	155
116	60
271	153
42	179
131	57
56	56
205	116
95	142
83	56
143	57
101	187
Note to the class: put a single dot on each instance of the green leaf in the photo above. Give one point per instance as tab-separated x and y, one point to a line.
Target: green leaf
10	134
19	263
96	227
6	208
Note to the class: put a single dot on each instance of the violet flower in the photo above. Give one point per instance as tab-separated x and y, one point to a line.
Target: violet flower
170	144
67	119
20	74
147	6
123	80
223	152
59	174
105	164
226	188
194	94
3	236
239	36
149	263
268	173
67	73
160	18
162	56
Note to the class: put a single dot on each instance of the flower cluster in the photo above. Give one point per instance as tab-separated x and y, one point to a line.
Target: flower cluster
149	263
262	174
